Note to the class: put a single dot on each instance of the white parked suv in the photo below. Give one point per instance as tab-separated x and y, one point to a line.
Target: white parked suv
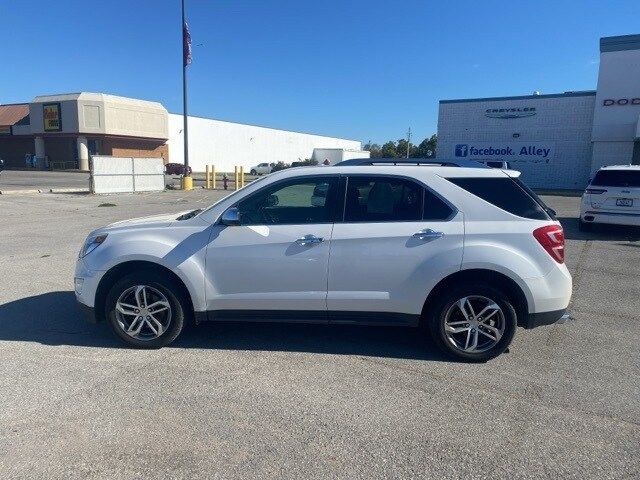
467	253
261	169
613	197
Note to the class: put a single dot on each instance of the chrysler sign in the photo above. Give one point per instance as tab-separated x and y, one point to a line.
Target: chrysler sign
516	112
511	151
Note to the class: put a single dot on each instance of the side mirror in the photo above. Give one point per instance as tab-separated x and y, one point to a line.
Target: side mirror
231	217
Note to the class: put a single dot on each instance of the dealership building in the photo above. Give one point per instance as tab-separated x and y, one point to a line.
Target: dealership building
556	140
64	131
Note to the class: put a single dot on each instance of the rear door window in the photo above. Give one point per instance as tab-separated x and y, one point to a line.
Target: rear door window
382	199
617	178
435	209
505	193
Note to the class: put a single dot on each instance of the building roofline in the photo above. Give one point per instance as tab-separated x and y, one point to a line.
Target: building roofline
582	93
620	43
269	128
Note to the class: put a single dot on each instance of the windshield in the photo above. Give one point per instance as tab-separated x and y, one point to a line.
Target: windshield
617	178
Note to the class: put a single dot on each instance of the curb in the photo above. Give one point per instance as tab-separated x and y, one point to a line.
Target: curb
19	192
69	190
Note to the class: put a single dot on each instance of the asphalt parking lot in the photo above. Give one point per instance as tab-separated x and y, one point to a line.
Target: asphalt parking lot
296	401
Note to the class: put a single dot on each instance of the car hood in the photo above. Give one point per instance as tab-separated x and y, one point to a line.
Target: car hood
154	221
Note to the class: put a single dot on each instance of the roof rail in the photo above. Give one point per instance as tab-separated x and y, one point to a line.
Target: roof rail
410	161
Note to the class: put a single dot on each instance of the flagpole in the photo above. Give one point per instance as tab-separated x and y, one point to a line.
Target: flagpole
185	128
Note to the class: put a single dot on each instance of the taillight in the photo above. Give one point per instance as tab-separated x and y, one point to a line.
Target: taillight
551	237
595	191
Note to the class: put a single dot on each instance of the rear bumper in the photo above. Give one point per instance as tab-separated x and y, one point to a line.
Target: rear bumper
611	218
539	319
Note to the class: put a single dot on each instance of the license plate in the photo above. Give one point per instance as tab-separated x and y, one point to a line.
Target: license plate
624	202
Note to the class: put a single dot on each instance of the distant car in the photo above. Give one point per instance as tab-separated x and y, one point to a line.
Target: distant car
612	197
497	164
177	169
1	164
261	169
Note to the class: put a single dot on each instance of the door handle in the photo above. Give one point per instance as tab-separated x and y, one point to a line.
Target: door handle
309	240
428	234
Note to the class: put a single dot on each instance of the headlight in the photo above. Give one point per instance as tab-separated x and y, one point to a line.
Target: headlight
91	243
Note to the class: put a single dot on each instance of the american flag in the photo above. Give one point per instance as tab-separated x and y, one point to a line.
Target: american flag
186	45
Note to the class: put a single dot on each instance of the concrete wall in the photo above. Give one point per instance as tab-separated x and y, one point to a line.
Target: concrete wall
562	122
226	144
617	105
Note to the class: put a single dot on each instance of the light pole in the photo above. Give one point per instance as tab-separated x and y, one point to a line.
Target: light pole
187	181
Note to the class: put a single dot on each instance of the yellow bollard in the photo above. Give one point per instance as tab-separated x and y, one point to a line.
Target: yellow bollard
207	180
236	178
241	176
186	183
213	177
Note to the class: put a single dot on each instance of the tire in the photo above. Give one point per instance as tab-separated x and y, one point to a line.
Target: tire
253	172
446	309
159	290
585	226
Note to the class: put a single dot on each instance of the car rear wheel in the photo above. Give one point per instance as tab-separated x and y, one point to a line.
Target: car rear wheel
146	310
472	322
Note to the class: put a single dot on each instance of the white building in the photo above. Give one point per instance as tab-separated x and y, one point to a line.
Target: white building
227	144
557	140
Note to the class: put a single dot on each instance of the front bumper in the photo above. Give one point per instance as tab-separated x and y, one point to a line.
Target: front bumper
539	319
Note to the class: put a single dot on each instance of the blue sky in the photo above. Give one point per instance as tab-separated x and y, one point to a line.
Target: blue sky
352	68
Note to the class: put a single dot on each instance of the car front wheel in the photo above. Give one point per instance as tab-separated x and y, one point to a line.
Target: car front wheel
253	172
146	310
473	322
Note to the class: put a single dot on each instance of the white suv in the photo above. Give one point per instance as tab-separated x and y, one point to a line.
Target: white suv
468	253
261	169
613	197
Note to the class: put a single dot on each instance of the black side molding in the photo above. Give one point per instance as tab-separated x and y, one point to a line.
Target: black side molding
534	320
311	316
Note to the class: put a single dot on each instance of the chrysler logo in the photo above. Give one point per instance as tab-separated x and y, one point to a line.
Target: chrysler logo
621	101
510	112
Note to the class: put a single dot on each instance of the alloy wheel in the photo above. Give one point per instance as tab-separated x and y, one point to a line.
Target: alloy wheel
474	324
143	312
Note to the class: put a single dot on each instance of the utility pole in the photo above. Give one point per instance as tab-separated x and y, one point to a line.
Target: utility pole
408	141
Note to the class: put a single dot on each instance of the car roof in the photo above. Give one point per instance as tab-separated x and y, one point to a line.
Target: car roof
410	161
414	171
620	167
